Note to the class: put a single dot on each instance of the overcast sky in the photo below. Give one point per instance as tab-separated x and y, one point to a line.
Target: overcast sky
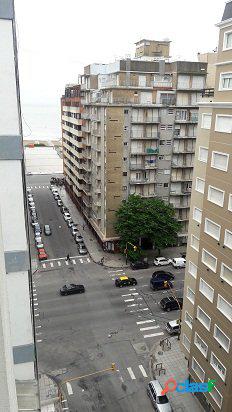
56	38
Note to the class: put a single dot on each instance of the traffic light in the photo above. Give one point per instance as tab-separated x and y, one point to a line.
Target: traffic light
113	366
135	248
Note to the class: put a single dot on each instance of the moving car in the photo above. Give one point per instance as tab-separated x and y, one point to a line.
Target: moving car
161	261
47	230
178	263
139	265
71	288
160	284
161	274
159	401
171	303
173	327
82	249
78	238
125	281
42	255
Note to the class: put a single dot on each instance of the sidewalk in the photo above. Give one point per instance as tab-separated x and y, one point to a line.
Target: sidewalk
175	365
111	260
49	392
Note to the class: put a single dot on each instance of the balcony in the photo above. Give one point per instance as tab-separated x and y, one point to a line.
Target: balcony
181	205
176	135
188	119
183	150
86	129
85	115
145	136
181	178
168	101
143	166
146	120
140	181
162	85
180	192
147	151
94	117
181	165
186	86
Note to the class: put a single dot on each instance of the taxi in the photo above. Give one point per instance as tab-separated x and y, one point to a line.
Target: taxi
125	281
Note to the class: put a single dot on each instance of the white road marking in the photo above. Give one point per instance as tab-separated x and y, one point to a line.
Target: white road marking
62	258
127	294
110	271
73	261
44	266
143	286
69	388
36	308
34	294
39	187
131	373
38	341
133	304
43	187
36	304
59	264
37	314
153	335
144	373
47	187
81	260
150	327
35	299
66	409
51	264
39	326
66	262
35	187
145	321
144	309
139	298
88	260
128	300
132	289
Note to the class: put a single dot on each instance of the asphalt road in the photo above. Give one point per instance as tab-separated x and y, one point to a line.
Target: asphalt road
81	334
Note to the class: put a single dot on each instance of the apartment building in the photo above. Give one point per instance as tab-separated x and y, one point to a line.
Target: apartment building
138	122
207	311
18	372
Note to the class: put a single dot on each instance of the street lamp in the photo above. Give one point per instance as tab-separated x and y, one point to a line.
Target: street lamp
126	250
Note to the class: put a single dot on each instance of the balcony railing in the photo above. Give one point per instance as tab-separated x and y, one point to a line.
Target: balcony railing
168	101
145	136
180	165
138	181
183	150
162	84
146	120
189	119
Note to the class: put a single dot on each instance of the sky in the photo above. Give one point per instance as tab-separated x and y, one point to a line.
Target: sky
57	38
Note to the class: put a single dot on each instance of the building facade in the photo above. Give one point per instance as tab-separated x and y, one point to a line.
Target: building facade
138	121
18	372
207	311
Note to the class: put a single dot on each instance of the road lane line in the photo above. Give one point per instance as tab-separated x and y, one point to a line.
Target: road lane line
69	388
133	304
144	373
131	373
150	327
145	321
128	300
153	335
73	261
51	264
44	266
35	187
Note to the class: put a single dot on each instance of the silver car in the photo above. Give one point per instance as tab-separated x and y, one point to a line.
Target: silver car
159	401
83	250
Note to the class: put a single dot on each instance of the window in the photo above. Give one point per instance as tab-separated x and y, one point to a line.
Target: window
212	229
221	338
186	343
203	154
206	120
165	184
203	318
216	396
209	260
218	366
200	185
200	344
223	123
190	295
166	171
195	243
228	239
226	273
124	174
197	214
125	111
162	142
224	307
220	161
230	203
198	369
124	188
206	290
193	269
188	320
227	43
225	82
216	195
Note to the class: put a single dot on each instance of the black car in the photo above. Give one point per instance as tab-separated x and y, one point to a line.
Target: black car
160	284
171	303
162	274
125	281
71	289
64	209
139	265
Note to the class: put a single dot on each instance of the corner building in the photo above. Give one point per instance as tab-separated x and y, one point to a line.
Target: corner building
206	334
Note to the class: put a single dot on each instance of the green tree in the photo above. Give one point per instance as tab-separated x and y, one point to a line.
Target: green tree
149	218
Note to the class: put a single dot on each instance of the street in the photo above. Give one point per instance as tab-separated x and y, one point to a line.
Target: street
81	334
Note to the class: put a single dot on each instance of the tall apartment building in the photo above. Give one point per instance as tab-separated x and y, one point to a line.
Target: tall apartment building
135	133
206	332
18	384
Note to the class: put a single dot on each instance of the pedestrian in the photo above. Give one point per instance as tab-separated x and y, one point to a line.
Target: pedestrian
68	257
83	227
102	260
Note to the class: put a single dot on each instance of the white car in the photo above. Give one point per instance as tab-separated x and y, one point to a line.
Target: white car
178	263
67	216
161	261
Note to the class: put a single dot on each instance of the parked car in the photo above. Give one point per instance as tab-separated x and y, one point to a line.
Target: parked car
28	190
161	261
67	216
178	263
59	203
30	198
47	230
78	238
74	231
64	209
160	284
171	303
37	228
52	187
56	197
42	255
125	281
38	239
139	265
37	234
34	222
173	327
69	222
162	274
71	288
33	215
159	401
40	246
32	209
82	250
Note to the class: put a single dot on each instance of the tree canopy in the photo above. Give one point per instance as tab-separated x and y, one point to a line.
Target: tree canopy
146	218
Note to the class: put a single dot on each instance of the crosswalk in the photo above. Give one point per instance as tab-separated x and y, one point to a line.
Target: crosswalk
62	262
133	372
38	187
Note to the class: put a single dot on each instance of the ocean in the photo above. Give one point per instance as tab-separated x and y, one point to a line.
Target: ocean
41	122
